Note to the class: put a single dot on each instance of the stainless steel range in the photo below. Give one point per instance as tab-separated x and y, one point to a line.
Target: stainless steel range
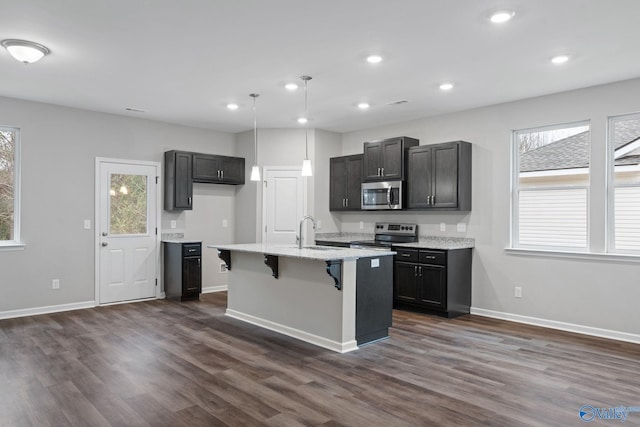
387	234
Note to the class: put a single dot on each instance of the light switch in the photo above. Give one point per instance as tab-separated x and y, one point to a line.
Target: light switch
318	224
462	227
87	224
173	223
361	225
225	223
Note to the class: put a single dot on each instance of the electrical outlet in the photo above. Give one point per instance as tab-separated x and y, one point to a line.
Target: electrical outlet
173	223
518	292
225	223
318	224
55	284
87	224
361	225
223	267
443	226
462	227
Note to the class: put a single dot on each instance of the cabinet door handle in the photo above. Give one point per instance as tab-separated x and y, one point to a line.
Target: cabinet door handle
189	201
198	262
420	271
382	171
415	271
222	174
343	203
433	200
347	199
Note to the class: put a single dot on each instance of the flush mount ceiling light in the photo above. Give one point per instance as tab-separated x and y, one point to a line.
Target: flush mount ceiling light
25	51
302	120
374	59
446	86
291	86
232	106
560	59
501	16
255	170
363	105
306	163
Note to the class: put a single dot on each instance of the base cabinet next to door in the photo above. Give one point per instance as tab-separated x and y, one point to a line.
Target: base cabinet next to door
435	281
182	270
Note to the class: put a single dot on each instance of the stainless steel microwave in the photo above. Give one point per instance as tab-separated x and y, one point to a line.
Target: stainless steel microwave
382	195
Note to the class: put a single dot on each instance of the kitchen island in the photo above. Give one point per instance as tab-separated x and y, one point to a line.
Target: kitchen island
336	298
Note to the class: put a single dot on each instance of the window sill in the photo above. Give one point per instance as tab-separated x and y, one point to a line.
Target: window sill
11	246
604	257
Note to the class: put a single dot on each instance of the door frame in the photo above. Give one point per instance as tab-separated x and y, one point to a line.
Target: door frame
96	224
262	195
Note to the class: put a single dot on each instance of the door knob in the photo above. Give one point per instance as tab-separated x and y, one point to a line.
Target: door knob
104	234
105	244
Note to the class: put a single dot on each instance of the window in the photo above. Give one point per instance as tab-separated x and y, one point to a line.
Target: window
9	186
624	196
551	187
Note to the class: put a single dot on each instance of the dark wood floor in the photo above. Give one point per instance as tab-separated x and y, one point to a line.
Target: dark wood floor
163	363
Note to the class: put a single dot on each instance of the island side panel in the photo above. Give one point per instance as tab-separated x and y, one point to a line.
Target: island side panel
302	302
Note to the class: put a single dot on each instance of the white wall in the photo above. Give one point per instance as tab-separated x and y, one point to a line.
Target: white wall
59	147
594	294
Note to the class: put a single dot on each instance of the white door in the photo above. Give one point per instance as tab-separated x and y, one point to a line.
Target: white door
126	226
283	204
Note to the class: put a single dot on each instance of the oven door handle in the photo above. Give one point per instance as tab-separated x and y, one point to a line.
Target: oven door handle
389	196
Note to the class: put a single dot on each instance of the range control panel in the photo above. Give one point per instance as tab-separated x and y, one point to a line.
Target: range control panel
396	229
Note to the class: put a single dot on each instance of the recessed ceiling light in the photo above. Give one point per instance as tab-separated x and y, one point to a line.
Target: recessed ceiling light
25	51
560	59
446	86
363	105
291	86
502	16
232	106
374	59
302	120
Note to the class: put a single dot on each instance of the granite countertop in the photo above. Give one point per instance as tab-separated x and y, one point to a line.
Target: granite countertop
424	242
440	242
326	253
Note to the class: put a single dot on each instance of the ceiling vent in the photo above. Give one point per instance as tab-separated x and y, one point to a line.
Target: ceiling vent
401	101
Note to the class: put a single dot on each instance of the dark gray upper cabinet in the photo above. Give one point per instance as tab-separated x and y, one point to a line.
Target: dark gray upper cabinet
182	169
439	176
178	187
385	160
210	168
345	183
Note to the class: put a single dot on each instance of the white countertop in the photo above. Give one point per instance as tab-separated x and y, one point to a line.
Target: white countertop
180	241
326	253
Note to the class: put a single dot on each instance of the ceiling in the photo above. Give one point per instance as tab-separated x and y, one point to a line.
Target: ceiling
183	61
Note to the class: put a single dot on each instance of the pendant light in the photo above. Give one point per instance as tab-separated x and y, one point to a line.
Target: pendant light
255	170
306	163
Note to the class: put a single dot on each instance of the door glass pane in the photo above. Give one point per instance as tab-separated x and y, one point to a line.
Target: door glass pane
128	204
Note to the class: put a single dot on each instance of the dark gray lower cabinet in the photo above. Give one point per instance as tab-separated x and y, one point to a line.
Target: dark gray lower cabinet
433	281
374	298
182	270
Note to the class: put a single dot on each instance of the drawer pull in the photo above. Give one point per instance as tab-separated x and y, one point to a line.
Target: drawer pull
430	257
405	255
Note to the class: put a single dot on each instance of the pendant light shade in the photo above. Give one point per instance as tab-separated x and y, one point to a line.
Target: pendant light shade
306	163
255	170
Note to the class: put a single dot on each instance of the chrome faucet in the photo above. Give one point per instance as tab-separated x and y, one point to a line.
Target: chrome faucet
301	222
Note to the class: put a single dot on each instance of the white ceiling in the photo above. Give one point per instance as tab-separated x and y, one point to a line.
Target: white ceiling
183	61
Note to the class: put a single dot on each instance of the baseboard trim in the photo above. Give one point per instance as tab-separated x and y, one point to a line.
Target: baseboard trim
11	314
552	324
210	289
295	333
